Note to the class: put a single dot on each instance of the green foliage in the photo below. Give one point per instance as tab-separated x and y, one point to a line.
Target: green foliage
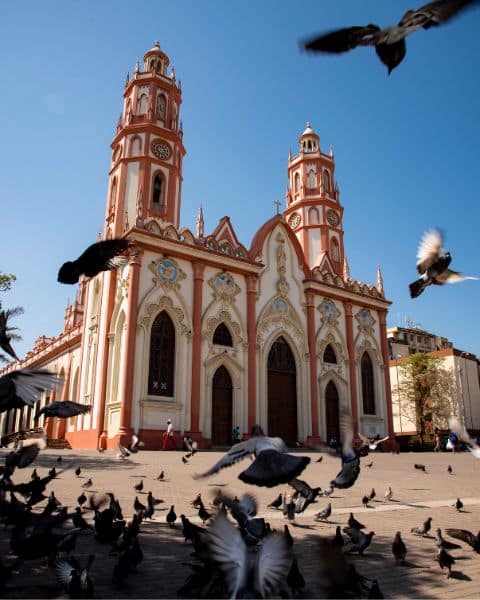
6	281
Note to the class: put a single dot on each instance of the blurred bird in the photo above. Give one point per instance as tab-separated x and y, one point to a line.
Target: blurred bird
319	460
359	540
420	467
184	460
161	477
171	516
464	436
272	464
308	494
34	475
203	513
139	486
372	443
6	332
82	499
88	484
196	501
98	257
441	542
445	560
350	459
277	503
459	505
449	469
338	539
465	536
78	470
399	549
122	452
324	514
75	580
389	494
369	465
138	507
24	387
372	494
424	528
365	500
53	472
59	459
135	444
63	410
353	523
432	264
389	43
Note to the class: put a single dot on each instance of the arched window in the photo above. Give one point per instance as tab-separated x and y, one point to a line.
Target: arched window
312	179
313	217
368	390
161	105
162	356
335	250
142	104
329	355
222	336
157	192
136	146
113	193
297	182
326	181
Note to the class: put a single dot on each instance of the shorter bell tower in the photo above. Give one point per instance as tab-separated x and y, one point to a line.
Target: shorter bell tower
313	207
147	150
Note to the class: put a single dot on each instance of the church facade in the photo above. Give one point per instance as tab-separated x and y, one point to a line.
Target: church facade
199	328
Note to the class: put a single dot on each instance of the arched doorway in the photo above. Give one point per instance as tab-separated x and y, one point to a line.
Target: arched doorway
331	410
222	408
282	393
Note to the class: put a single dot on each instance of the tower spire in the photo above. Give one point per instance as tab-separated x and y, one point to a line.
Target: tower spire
200	223
379	281
346	269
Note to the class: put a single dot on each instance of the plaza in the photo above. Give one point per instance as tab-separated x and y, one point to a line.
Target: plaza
416	496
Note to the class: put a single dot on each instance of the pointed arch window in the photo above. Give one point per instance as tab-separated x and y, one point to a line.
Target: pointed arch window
157	195
162	356
136	146
326	181
161	106
368	389
113	193
297	182
329	355
142	104
222	336
335	249
312	179
313	218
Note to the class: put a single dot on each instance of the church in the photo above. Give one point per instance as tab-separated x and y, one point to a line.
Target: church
205	331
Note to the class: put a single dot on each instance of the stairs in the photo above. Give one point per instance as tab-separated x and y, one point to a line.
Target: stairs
57	444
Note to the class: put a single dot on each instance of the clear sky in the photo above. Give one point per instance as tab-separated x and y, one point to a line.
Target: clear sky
406	146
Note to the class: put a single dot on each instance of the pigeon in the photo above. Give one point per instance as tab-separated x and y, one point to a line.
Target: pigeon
423	529
445	560
432	264
350	459
420	467
34	475
319	460
338	539
190	530
272	465
78	470
365	501
82	499
184	460
171	517
6	332
20	459
359	540
75	580
24	387
372	443
59	459
307	493
369	465
98	257
135	444
53	472
122	452
353	523
324	514
63	410
277	503
79	522
372	494
139	486
138	507
399	550
161	477
88	484
203	513
449	469
388	494
389	43
464	436
441	542
465	536
459	505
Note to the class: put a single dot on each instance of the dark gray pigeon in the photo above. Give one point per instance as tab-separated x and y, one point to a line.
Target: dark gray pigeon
272	464
432	264
423	529
350	458
63	410
324	514
24	387
399	550
389	42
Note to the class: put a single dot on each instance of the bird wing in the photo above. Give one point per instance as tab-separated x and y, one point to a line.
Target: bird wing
248	505
228	550
65	409
102	255
342	40
429	250
26	455
123	451
449	276
462	534
29	384
272	564
346	434
63	571
433	13
463	435
237	452
301	486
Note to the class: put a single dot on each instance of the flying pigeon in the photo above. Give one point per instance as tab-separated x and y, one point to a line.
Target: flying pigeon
441	542
20	388
465	536
122	452
372	443
464	436
350	458
63	410
6	334
359	541
389	43
272	464
135	444
98	257
432	264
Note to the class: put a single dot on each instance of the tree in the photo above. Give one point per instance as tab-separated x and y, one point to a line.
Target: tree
426	388
5	285
6	281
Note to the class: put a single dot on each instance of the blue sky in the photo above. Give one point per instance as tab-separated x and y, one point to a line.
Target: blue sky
406	146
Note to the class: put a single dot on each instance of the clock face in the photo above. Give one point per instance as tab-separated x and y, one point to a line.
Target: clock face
160	149
294	220
332	217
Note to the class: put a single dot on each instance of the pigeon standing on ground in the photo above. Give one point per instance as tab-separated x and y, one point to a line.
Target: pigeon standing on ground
424	528
319	460
139	486
459	505
161	477
420	467
272	465
449	469
171	516
389	494
98	257
88	484
277	503
389	42
445	560
432	264
324	514
399	549
78	470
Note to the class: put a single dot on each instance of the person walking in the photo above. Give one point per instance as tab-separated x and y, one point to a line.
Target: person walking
438	440
169	436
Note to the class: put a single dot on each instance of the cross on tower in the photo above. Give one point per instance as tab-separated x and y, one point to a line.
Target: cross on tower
277	205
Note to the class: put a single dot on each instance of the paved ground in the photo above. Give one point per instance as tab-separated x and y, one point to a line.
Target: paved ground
416	496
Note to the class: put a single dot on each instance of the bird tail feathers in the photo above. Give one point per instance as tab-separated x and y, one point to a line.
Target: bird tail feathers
416	288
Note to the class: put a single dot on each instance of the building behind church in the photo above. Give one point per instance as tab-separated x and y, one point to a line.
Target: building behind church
203	330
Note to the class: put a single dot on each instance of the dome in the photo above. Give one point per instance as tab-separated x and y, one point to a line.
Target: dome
156	60
309	131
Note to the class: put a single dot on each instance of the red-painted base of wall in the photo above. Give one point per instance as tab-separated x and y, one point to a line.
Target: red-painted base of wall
83	440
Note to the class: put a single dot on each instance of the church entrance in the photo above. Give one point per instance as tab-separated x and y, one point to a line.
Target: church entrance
331	410
282	393
222	408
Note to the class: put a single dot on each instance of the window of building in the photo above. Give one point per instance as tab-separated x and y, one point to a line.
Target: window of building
329	355
162	356
161	106
368	390
142	104
335	251
157	192
313	217
297	182
312	179
222	336
136	146
326	181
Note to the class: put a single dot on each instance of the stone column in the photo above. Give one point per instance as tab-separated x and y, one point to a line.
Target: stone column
128	358
314	438
252	352
351	365
62	423
198	269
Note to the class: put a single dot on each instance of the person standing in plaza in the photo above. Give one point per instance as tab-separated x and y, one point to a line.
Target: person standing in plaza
169	436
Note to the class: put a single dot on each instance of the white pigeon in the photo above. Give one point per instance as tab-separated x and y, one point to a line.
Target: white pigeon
464	436
389	494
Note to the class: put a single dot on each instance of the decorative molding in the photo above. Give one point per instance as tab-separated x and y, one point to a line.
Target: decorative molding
283	286
365	321
224	287
223	317
164	303
329	313
166	273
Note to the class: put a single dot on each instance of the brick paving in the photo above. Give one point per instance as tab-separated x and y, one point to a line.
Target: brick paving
416	496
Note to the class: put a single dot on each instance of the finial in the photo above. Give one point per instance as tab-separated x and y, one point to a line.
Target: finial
379	281
331	151
157	44
277	204
200	223
289	154
337	191
346	269
172	74
180	84
127	78
308	125
137	68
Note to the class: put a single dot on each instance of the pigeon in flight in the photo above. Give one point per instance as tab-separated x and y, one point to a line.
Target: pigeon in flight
465	536
6	334
98	257
372	443
135	444
389	43
122	452
272	464
63	410
464	436
350	458
20	388
432	264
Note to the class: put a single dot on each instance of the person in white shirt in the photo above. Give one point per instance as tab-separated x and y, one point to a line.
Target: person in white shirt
169	436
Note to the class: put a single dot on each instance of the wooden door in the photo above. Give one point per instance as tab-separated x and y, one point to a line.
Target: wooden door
222	408
282	393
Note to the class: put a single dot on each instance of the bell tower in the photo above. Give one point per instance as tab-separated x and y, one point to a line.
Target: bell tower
147	150
313	207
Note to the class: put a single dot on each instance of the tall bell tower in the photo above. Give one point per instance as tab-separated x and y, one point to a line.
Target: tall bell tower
147	150
313	207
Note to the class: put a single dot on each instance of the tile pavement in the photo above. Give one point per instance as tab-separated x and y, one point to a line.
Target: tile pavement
417	495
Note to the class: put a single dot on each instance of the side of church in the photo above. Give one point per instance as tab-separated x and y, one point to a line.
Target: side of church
198	328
